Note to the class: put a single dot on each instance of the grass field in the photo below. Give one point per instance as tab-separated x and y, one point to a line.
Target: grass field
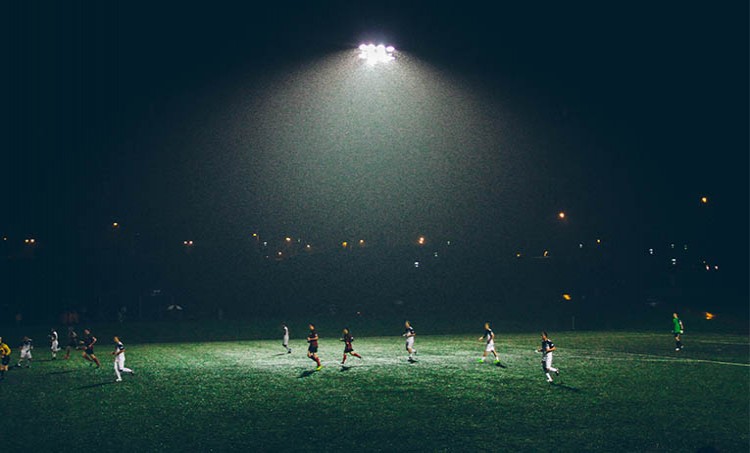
618	391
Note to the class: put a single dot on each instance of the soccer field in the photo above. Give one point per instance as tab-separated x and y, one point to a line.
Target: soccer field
618	391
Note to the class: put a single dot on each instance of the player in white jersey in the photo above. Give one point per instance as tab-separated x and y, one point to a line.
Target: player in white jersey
409	334
26	346
546	350
54	343
285	339
489	345
119	354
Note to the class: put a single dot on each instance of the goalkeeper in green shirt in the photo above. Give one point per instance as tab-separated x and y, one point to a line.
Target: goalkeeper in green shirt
677	329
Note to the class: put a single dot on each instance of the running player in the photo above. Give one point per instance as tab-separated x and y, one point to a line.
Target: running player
348	348
4	358
26	346
72	342
677	329
489	339
119	354
312	348
88	343
285	340
546	350
409	334
54	343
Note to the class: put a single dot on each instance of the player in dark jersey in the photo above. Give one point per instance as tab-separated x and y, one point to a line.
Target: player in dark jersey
489	344
312	348
72	342
88	343
546	350
348	348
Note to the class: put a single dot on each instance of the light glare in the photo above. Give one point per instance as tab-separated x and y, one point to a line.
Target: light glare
373	54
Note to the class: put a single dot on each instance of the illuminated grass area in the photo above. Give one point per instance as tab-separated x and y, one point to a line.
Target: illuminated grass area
617	392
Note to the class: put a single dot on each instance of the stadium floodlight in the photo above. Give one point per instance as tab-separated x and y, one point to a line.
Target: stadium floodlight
373	54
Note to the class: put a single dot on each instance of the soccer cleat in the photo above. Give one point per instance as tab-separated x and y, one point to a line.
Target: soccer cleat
557	373
549	380
480	360
118	380
320	367
676	349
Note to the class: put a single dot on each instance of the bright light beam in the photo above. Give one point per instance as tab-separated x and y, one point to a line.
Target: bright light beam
373	54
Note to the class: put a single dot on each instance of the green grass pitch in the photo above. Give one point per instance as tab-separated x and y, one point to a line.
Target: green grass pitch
618	391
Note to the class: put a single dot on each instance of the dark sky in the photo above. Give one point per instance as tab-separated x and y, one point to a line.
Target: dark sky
621	113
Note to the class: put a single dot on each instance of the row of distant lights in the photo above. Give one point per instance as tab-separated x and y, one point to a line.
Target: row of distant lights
373	54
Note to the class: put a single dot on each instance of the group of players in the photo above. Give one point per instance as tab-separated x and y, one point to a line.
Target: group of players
409	334
89	340
74	343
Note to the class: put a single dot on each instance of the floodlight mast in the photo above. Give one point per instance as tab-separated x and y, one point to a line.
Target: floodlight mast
374	54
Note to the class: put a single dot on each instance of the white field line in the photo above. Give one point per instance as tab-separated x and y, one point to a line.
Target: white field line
652	358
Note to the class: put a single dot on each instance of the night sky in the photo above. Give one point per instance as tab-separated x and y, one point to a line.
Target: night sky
211	120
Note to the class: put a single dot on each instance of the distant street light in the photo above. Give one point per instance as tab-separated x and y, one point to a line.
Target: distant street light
704	200
561	215
187	243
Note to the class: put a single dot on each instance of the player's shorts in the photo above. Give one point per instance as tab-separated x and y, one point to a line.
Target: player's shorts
348	348
490	346
546	362
409	342
312	349
285	341
54	345
25	354
89	351
5	360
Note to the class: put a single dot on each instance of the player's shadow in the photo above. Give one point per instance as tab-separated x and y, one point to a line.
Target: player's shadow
281	353
500	365
345	368
98	384
60	372
566	387
306	373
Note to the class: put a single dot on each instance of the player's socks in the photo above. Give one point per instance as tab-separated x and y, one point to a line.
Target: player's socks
343	360
549	378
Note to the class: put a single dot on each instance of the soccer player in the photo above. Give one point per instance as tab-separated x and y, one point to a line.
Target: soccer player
546	350
677	329
348	348
285	340
54	343
4	358
72	341
409	334
312	348
88	343
489	339
119	354
26	346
